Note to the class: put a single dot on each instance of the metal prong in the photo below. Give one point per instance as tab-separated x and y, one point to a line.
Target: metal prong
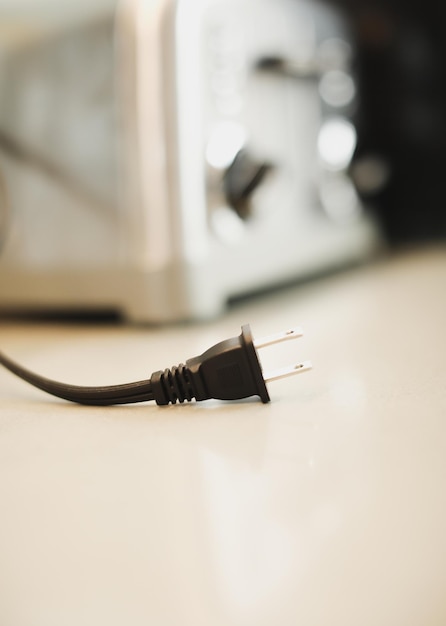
287	335
285	372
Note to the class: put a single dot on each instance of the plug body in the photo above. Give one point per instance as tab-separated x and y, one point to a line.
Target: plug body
230	370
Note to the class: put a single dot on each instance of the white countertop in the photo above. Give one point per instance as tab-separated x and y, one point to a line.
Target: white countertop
326	507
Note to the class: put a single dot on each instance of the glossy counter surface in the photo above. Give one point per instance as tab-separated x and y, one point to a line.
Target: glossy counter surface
326	507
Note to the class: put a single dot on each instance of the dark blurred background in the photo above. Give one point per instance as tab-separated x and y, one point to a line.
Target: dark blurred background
401	119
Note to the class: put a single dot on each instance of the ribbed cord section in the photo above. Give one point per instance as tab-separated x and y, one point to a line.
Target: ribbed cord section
176	384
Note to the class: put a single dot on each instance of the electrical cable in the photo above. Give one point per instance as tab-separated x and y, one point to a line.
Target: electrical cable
139	391
230	370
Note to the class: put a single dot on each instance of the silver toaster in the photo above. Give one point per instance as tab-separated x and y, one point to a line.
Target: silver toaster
162	157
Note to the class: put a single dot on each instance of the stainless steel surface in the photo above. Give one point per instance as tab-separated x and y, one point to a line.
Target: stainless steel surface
151	158
326	507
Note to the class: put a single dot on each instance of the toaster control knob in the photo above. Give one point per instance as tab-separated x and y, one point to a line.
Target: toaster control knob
240	181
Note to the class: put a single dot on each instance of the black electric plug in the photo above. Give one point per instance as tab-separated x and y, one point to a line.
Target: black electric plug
230	370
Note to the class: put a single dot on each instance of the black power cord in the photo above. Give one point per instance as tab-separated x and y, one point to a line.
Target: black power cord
230	370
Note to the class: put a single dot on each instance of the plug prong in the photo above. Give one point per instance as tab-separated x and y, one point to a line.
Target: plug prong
287	335
285	372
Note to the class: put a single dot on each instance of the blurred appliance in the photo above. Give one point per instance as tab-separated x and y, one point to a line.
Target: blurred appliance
167	156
